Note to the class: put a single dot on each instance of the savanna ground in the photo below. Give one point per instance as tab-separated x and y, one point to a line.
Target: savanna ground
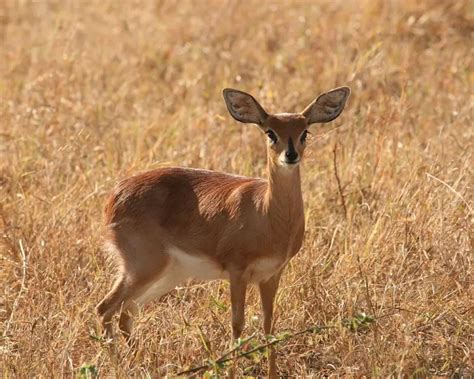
93	91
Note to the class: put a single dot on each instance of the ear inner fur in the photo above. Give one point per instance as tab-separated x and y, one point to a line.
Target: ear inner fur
327	106
243	107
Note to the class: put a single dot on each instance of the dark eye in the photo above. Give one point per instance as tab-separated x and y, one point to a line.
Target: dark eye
271	134
304	136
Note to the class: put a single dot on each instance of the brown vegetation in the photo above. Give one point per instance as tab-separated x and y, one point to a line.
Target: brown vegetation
92	91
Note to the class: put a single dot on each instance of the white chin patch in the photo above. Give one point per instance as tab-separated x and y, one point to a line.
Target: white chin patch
289	165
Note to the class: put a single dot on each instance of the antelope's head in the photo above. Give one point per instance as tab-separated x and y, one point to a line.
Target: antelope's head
286	132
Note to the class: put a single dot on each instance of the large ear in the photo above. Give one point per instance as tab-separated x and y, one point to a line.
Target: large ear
243	107
327	106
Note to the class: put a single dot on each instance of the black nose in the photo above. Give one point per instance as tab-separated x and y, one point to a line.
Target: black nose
291	155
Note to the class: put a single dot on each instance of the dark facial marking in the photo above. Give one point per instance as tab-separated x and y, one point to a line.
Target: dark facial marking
304	136
271	134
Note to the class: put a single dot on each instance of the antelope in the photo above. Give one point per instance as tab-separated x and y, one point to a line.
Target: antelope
171	224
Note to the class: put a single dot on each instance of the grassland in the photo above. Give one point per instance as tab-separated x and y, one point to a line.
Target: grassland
93	91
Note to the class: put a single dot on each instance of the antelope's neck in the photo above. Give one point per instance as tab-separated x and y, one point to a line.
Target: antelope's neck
283	200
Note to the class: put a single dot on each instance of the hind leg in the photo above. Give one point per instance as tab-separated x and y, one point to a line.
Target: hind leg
145	265
110	305
159	286
122	298
128	311
131	254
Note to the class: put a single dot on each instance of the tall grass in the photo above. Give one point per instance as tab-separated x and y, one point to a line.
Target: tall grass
92	91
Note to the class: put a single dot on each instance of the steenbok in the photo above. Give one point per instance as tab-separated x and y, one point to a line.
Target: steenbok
171	224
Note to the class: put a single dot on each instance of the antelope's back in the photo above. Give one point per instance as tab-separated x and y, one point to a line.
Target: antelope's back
184	201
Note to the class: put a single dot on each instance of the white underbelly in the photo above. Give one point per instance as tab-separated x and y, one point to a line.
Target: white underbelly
194	266
182	266
262	269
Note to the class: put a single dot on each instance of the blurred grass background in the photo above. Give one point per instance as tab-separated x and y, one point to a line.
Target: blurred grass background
92	91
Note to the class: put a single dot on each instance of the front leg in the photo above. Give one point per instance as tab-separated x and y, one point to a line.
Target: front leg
238	289
268	291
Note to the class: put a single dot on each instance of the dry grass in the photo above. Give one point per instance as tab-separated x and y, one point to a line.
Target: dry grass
92	91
